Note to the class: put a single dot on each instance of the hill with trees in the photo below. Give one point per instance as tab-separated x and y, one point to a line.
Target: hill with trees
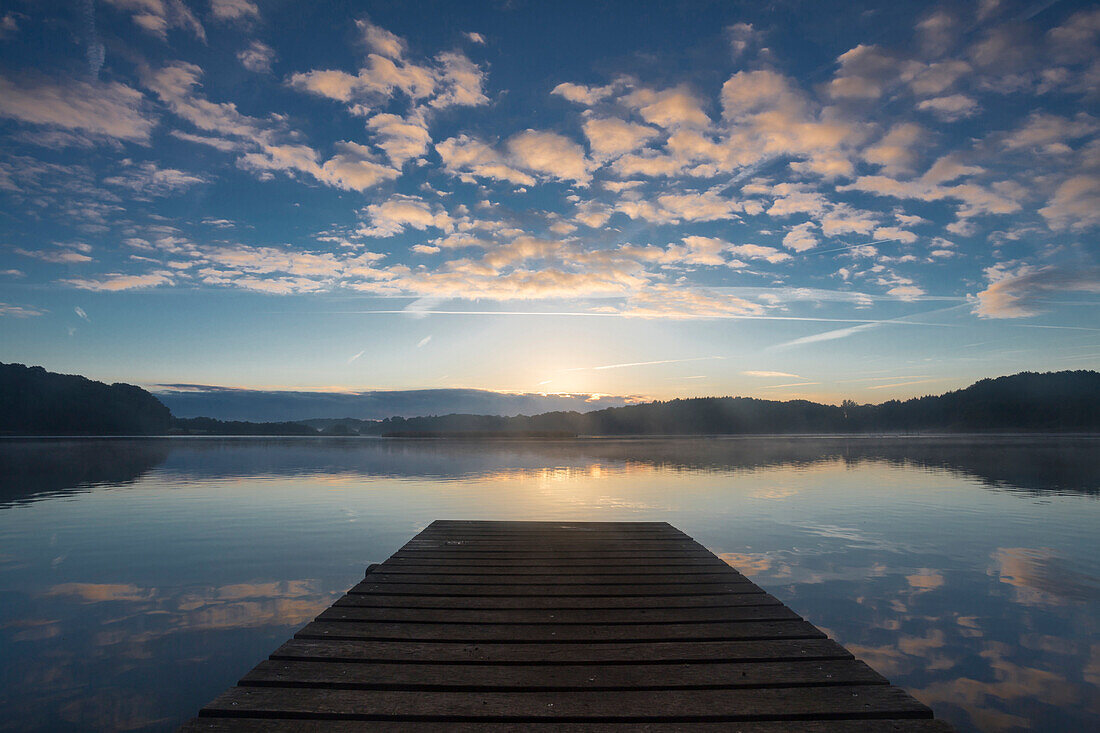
34	401
1066	401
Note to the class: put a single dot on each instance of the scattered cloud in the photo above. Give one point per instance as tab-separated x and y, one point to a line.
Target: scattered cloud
158	16
1024	290
113	282
104	110
951	108
257	57
234	10
7	310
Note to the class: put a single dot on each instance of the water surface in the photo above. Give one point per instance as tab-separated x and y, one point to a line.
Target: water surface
139	578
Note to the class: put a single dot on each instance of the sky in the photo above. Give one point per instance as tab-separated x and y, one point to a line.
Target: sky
642	200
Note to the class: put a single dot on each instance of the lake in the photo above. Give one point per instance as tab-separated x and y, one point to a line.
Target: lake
140	578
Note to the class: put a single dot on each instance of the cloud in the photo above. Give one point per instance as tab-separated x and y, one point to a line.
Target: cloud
592	214
896	151
473	37
771	374
460	82
885	234
380	40
581	94
742	37
1051	133
662	301
234	10
469	158
377	80
9	24
110	110
7	310
833	335
1075	204
146	180
864	73
974	199
936	32
402	139
551	154
926	80
673	208
398	212
62	257
768	116
669	108
157	16
257	57
1021	291
609	137
951	108
112	282
800	237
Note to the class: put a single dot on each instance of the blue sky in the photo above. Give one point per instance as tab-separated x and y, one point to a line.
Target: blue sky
795	199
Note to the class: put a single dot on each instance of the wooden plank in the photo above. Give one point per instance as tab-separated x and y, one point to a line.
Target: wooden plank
557	589
565	634
713	600
722	576
545	523
554	616
640	543
630	562
514	678
552	536
640	570
864	701
552	654
275	725
549	557
556	530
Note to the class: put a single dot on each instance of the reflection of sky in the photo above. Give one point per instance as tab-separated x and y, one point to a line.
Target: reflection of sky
131	602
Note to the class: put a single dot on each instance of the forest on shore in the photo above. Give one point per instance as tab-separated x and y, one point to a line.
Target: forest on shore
34	401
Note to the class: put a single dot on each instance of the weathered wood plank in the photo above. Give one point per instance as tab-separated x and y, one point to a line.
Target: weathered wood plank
565	634
544	523
549	557
586	617
670	542
867	701
630	563
273	725
714	600
556	589
552	535
728	575
553	654
556	531
488	678
598	570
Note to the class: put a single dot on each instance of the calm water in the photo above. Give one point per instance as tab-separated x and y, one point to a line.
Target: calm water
139	578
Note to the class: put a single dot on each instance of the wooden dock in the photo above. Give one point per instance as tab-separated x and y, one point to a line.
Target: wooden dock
560	626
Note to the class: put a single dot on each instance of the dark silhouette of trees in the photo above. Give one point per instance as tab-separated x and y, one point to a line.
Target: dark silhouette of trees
34	401
1052	402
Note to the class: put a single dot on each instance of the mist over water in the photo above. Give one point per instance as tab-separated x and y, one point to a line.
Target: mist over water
139	578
